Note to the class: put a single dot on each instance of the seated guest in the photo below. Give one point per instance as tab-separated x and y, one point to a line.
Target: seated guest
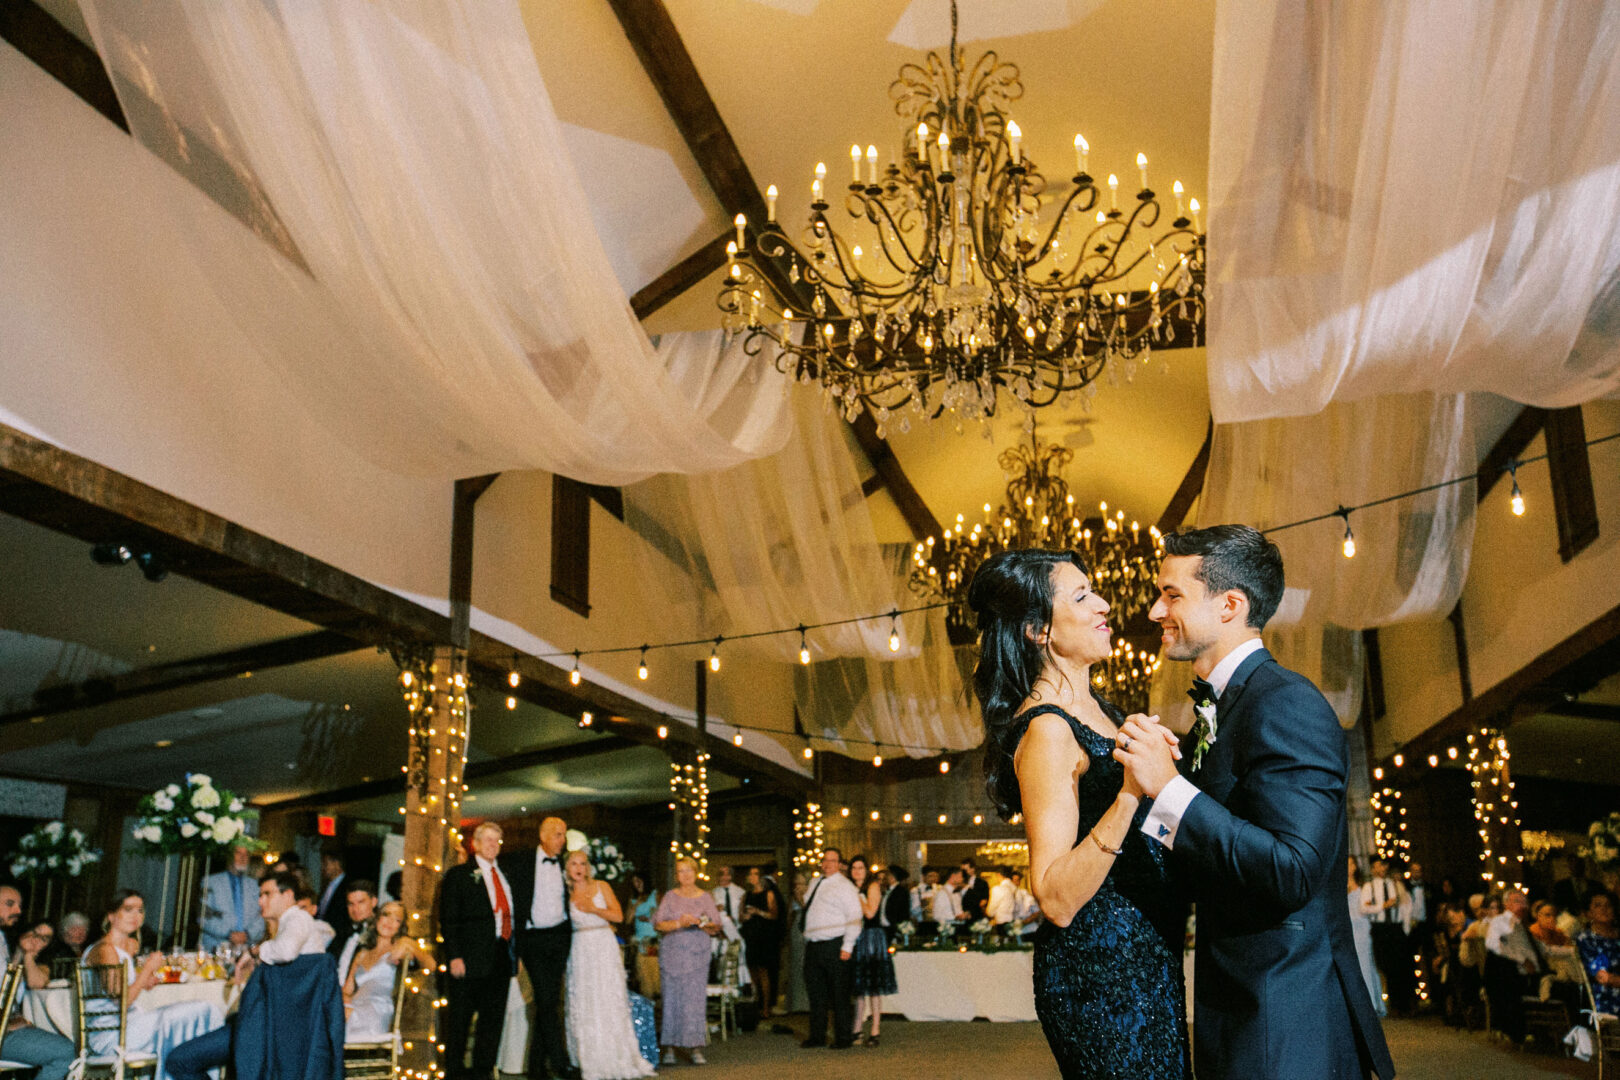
72	935
1544	924
368	988
294	941
1513	964
290	863
230	904
1599	950
21	1041
145	1028
361	905
307	902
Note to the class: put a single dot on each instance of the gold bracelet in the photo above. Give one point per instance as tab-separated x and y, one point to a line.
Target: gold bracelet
1112	851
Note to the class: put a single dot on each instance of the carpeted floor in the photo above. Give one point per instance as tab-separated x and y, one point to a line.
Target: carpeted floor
1423	1050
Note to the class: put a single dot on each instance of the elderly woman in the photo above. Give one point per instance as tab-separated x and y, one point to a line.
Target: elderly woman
687	919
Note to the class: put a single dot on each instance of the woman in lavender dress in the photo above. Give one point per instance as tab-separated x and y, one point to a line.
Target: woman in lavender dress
687	919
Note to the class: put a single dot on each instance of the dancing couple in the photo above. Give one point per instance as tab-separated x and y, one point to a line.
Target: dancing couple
1245	816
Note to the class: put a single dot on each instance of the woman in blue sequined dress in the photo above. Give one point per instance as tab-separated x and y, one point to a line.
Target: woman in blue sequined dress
1108	973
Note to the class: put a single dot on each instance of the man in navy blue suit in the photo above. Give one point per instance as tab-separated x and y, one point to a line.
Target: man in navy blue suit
1257	825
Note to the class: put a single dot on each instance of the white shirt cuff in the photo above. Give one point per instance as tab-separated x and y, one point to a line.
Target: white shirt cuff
1164	819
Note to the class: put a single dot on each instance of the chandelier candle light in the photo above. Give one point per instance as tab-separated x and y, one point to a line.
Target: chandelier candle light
960	271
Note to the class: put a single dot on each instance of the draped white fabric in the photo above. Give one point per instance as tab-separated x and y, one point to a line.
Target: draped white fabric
788	539
407	153
1413	196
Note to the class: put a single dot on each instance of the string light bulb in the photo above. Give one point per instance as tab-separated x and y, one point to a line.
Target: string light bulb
1349	537
641	670
944	767
808	753
573	676
804	647
513	679
586	719
877	761
894	631
714	655
736	740
1517	497
511	702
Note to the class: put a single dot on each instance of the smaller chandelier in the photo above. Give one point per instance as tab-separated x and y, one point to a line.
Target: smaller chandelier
1040	512
1126	677
959	273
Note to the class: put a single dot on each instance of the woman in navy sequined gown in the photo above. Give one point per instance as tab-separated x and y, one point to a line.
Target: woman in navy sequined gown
1108	975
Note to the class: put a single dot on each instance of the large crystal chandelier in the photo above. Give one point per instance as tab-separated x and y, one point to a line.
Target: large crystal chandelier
1040	512
960	271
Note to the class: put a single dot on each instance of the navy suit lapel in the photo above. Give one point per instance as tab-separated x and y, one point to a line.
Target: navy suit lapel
1215	777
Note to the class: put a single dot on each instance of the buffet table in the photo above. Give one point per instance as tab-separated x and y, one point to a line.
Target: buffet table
945	984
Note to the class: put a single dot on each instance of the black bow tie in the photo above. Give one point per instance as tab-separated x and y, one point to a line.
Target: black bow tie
552	859
1201	691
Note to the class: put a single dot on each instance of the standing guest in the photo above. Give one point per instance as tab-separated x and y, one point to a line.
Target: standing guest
230	904
728	897
797	999
896	900
948	901
601	1033
288	863
22	1042
476	925
376	950
360	899
71	938
1513	964
1025	910
1419	903
999	910
1599	950
922	902
1571	889
329	909
1361	933
761	931
1382	900
831	921
975	892
688	920
545	934
873	968
1450	972
643	902
293	937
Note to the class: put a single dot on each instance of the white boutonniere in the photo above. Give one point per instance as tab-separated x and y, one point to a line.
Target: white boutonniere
478	874
1205	731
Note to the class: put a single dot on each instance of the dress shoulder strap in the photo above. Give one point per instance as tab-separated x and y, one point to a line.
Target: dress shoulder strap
1088	739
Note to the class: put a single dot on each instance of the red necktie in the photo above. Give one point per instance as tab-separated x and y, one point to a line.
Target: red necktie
503	907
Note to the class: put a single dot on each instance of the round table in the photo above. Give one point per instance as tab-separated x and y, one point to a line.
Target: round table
51	1009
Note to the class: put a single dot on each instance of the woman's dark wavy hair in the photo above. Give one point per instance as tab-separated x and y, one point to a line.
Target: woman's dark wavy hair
1011	595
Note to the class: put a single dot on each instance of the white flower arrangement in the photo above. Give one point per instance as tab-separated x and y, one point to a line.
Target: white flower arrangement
607	862
52	851
188	819
1603	841
981	926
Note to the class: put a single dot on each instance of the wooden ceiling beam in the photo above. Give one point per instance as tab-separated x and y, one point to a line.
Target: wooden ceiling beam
1191	486
302	648
30	29
685	274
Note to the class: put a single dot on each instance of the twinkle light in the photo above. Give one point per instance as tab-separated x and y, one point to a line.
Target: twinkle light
942	819
511	702
808	753
736	740
843	811
877	761
586	719
906	818
944	767
513	678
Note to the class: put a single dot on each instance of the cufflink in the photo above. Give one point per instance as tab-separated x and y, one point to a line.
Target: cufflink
1164	830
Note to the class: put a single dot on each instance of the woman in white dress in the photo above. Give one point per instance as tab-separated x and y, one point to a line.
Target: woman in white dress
148	1028
601	1037
368	992
1361	933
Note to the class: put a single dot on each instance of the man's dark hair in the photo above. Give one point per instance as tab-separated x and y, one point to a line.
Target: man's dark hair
396	884
900	873
367	887
290	860
1235	557
836	851
332	854
285	881
969	864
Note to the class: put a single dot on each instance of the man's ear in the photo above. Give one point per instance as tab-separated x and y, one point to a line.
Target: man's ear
1234	605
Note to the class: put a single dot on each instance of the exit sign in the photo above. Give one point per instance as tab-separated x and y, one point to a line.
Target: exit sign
326	825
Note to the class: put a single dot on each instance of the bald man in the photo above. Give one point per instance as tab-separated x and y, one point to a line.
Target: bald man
545	932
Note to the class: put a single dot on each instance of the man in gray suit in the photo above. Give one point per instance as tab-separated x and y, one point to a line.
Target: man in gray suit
230	911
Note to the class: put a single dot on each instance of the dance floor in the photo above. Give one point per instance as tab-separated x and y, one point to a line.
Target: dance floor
1423	1049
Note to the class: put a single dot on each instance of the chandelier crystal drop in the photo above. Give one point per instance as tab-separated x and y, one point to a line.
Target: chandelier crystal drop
1040	512
960	271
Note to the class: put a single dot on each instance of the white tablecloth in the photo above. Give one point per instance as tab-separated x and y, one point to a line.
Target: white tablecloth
51	1009
950	985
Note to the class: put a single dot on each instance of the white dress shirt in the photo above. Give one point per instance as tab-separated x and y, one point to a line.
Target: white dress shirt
947	904
922	902
350	947
1024	906
1164	819
834	910
1000	906
1507	937
1375	894
547	908
298	933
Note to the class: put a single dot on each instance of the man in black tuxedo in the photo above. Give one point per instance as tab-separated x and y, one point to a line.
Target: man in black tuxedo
975	893
545	933
1257	825
896	907
477	924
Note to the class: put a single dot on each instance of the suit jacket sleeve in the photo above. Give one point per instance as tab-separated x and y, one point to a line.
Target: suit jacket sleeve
453	914
1293	790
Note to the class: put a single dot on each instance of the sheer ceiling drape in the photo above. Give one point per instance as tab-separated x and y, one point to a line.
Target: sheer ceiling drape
406	153
1412	196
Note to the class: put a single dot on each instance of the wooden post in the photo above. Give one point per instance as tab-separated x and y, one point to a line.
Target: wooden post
438	742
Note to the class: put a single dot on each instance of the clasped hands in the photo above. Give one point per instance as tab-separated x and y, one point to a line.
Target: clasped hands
1149	751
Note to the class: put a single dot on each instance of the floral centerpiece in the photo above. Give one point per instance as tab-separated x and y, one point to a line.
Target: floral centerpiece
52	851
1603	842
194	818
607	862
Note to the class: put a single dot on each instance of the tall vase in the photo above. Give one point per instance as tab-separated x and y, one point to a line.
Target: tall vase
163	898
